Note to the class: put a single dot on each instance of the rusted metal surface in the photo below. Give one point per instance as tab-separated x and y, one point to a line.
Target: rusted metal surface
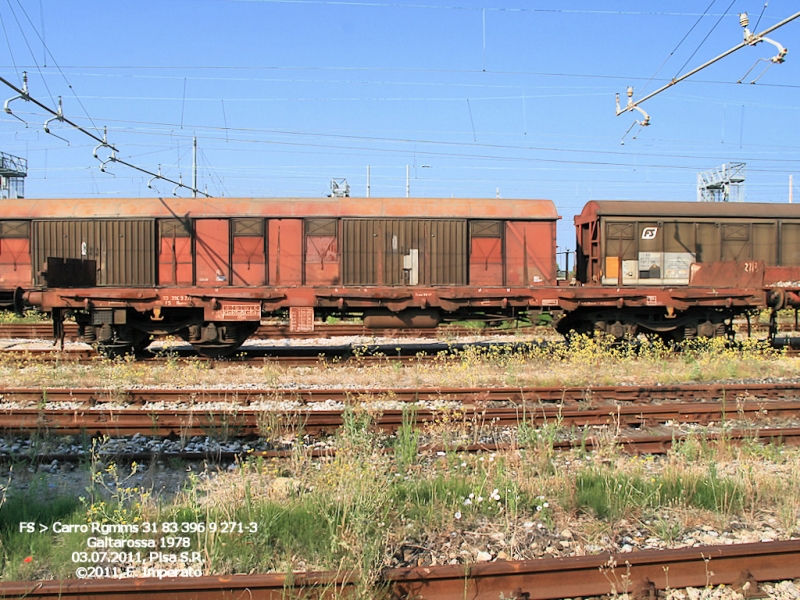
204	421
225	587
322	266
578	397
400	298
405	252
167	208
123	249
640	573
175	262
15	254
688	210
183	412
212	253
248	255
530	253
486	252
586	398
739	274
211	245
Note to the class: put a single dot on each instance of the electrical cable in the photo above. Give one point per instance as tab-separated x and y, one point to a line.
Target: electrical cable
33	56
63	75
763	8
675	49
700	45
8	43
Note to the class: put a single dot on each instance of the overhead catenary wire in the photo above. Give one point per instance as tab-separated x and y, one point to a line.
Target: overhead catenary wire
47	52
24	95
703	41
634	105
407	141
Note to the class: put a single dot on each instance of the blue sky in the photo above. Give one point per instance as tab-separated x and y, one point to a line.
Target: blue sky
506	97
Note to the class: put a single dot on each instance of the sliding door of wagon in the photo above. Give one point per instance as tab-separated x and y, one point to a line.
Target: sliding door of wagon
249	252
122	250
619	247
362	251
212	246
404	252
447	256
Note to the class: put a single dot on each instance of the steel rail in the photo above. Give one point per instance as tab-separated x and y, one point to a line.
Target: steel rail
347	353
247	422
742	566
197	412
44	330
641	573
294	356
582	396
636	445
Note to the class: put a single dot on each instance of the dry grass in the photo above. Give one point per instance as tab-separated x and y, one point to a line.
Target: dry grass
367	508
584	362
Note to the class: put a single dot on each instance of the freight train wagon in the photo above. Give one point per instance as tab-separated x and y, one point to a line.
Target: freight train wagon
210	269
730	248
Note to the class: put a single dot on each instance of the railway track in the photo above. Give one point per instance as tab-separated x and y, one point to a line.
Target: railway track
287	355
645	419
44	330
641	574
164	422
292	355
565	397
643	443
626	408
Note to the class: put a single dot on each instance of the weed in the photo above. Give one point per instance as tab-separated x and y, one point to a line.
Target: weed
407	440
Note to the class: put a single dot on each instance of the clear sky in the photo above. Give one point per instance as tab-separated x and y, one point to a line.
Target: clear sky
478	98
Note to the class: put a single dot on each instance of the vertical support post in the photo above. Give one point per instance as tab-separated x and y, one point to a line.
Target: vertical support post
194	167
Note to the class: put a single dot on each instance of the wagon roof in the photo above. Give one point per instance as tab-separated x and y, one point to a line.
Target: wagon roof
480	208
636	208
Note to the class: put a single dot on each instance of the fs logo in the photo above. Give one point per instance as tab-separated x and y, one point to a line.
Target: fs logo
649	233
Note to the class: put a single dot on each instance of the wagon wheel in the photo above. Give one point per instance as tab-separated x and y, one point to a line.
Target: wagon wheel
223	344
124	340
114	349
141	340
216	350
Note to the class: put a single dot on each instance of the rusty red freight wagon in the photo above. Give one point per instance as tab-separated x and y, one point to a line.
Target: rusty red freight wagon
209	269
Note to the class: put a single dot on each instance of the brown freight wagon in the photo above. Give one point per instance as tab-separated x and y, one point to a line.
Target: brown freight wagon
215	266
664	262
623	243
